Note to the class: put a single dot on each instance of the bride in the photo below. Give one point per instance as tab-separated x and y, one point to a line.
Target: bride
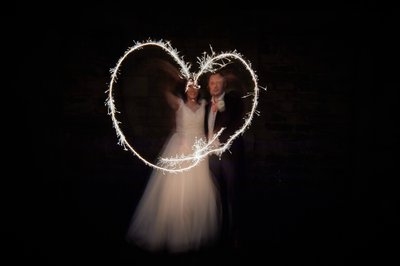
179	211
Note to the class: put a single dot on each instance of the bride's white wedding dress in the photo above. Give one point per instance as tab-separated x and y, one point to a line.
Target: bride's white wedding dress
178	211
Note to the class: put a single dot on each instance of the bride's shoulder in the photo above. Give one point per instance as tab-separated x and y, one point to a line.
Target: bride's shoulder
203	101
179	104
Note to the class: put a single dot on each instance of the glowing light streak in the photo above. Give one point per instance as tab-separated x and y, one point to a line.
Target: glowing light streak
201	148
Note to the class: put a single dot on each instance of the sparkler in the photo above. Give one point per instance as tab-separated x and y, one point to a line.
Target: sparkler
201	148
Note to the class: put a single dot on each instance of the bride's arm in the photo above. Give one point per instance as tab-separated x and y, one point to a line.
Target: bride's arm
172	79
172	99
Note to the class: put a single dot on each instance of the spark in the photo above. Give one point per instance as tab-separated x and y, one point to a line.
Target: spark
207	63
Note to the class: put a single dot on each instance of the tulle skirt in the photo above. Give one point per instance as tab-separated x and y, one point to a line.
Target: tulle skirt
178	211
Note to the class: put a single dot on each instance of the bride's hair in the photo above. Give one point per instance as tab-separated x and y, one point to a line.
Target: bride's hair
181	92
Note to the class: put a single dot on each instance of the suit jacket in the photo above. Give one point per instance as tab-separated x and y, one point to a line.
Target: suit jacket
231	119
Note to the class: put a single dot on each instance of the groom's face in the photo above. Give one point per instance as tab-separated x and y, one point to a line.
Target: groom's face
216	85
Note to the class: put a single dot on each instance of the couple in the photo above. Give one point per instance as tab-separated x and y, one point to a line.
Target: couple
189	210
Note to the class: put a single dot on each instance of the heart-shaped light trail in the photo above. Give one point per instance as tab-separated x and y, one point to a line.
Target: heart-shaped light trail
207	63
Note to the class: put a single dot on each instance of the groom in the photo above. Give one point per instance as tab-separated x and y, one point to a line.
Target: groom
225	110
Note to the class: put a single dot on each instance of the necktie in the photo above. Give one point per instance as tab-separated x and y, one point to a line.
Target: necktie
214	106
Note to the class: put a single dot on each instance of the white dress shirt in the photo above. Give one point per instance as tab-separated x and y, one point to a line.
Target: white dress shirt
211	117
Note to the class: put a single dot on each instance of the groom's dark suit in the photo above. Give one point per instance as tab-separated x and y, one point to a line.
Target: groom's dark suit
227	169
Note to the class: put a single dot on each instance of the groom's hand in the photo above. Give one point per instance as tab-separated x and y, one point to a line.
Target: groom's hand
215	144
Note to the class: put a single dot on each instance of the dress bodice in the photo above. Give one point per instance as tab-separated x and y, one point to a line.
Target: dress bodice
189	122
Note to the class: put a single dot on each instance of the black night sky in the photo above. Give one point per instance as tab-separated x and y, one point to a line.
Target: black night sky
319	157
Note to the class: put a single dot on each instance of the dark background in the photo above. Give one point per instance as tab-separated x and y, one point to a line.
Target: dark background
320	157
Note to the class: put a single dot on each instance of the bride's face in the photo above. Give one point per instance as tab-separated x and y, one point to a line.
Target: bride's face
192	92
